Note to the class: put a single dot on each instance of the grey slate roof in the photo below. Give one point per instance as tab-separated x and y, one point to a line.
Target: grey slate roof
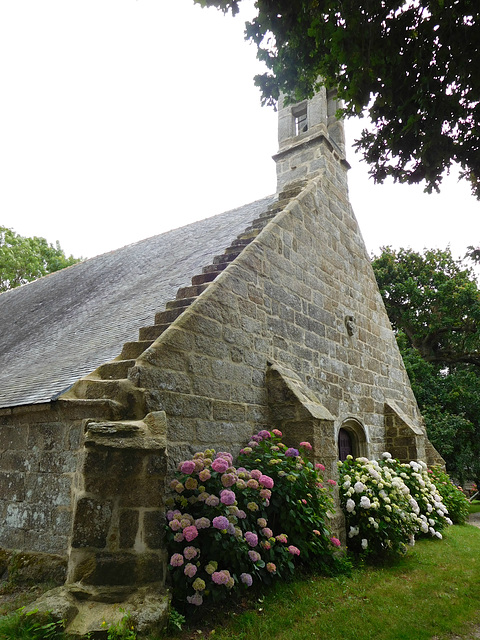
61	327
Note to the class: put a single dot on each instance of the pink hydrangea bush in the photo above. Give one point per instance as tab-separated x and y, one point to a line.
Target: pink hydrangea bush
218	536
300	502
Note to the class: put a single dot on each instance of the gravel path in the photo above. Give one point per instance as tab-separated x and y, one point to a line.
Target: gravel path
475	519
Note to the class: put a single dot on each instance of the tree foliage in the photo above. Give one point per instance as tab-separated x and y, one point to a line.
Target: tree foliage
433	304
435	301
412	65
25	259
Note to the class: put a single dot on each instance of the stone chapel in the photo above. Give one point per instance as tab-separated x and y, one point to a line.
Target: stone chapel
115	369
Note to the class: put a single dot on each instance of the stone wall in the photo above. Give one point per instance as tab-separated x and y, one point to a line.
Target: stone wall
303	296
39	447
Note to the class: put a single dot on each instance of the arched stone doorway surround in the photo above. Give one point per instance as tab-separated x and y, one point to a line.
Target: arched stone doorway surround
352	439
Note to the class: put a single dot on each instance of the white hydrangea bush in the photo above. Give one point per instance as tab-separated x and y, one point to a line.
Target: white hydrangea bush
387	504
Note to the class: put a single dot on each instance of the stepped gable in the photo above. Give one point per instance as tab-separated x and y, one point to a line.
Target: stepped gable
63	326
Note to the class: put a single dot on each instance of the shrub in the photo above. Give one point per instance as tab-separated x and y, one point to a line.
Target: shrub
452	496
378	516
219	540
425	500
301	501
387	503
228	527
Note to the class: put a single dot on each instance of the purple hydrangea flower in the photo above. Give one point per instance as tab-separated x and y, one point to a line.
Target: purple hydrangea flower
291	453
190	570
190	553
264	434
254	555
251	538
174	525
228	479
266	481
176	560
227	497
220	522
226	455
220	465
247	579
202	523
212	501
205	475
190	533
187	467
221	577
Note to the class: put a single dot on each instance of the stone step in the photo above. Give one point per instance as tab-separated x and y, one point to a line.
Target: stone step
97	389
241	242
152	332
134	349
250	234
233	251
225	258
130	399
183	302
215	267
115	370
189	292
259	223
169	315
274	208
100	409
202	278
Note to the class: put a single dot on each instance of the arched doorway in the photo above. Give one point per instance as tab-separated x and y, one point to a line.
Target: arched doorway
345	445
351	440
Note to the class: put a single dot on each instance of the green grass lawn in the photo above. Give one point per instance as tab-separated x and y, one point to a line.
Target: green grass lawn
431	593
474	506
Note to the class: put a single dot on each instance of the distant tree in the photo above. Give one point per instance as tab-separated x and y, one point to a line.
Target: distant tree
24	259
473	253
433	302
411	65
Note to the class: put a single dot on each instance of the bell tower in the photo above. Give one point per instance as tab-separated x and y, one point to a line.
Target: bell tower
309	137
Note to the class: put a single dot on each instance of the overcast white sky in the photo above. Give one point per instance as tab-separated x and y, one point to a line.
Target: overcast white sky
121	119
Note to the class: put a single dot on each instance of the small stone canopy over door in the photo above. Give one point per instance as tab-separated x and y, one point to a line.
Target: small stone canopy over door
407	441
352	440
297	412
